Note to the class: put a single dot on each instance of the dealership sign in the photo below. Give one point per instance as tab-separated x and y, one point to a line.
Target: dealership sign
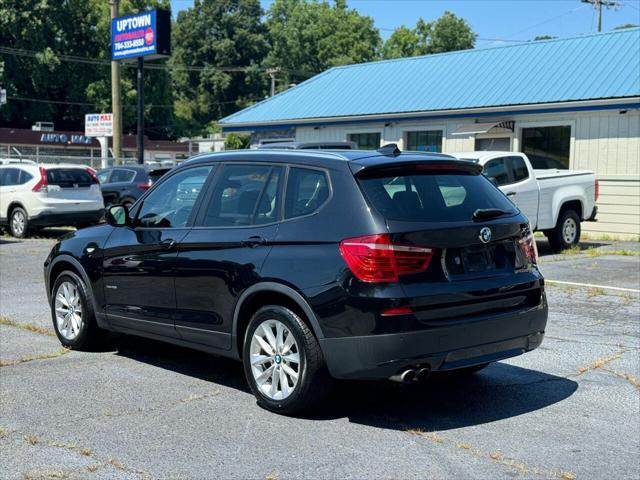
98	125
146	34
66	139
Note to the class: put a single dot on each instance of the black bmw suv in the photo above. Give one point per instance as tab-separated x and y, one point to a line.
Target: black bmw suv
310	265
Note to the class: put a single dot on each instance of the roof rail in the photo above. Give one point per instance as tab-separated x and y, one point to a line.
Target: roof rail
390	149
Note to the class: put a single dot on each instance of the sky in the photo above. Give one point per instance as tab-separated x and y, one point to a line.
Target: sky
497	22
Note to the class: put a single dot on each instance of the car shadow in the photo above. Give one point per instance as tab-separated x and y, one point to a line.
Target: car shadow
442	402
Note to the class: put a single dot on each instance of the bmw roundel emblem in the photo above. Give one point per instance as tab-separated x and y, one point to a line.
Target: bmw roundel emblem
485	235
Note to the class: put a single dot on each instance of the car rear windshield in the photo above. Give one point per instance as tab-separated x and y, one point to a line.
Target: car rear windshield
450	197
69	177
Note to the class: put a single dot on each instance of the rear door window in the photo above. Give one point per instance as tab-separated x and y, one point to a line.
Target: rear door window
122	175
244	195
307	191
497	169
69	177
9	177
433	197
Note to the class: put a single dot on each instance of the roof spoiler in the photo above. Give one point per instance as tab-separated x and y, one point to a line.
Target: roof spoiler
416	166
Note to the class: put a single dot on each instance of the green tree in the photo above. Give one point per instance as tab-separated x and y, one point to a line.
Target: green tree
212	36
237	141
543	37
626	25
448	33
307	37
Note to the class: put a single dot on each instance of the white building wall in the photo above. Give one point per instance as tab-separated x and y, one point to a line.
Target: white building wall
607	142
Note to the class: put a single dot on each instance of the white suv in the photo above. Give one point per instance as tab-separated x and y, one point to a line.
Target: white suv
44	195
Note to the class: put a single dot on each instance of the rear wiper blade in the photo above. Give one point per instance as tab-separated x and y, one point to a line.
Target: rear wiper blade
484	213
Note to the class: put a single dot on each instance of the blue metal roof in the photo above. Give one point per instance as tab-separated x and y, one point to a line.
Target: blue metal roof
599	66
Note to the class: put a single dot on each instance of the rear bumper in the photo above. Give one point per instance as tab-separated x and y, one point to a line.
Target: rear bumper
53	219
457	345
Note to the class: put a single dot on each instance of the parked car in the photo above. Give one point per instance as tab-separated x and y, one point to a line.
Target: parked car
34	196
555	201
310	145
308	265
125	184
7	161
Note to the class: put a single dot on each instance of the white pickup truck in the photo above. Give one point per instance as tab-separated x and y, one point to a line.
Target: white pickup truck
555	201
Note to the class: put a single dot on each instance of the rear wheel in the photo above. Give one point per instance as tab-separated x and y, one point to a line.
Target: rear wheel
18	222
566	234
283	362
73	316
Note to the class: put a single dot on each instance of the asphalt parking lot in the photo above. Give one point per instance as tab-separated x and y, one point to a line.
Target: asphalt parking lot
570	409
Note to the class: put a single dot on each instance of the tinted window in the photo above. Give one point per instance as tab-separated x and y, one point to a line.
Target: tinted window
24	177
497	169
69	177
307	190
547	147
519	169
495	144
366	141
9	176
170	204
103	176
433	198
155	175
425	141
122	175
244	195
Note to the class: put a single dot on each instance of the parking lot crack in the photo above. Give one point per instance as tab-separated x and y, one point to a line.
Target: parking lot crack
30	358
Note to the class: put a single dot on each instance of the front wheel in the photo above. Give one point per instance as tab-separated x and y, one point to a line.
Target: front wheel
566	234
73	316
283	362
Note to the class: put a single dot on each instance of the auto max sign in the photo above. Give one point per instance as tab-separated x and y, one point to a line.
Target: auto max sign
146	34
64	138
98	125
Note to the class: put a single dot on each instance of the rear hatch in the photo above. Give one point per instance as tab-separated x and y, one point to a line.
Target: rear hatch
461	247
69	186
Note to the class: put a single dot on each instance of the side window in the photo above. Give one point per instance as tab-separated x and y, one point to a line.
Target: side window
170	204
519	169
24	177
307	190
497	168
122	175
10	177
244	195
103	176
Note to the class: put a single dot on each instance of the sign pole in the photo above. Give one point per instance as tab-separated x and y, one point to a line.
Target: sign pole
140	137
116	104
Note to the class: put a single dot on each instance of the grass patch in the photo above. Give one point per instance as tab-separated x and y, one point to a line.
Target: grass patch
30	358
32	439
433	436
575	250
26	326
601	362
567	476
594	292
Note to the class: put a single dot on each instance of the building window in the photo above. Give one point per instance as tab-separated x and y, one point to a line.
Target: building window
547	147
424	141
500	144
366	141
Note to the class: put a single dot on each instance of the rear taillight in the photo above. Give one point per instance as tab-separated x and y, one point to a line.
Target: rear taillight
41	186
374	258
92	173
144	186
529	248
597	185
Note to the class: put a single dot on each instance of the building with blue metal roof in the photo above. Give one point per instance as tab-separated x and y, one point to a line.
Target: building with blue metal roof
568	103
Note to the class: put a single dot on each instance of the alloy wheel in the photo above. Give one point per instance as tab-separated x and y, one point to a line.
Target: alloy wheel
68	310
18	222
275	359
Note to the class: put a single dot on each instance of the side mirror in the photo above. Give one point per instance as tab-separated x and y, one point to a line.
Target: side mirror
118	216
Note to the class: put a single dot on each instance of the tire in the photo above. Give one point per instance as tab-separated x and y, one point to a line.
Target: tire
86	335
566	233
312	384
19	223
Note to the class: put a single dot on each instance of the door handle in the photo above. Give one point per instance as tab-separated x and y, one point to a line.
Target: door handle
168	243
254	241
511	194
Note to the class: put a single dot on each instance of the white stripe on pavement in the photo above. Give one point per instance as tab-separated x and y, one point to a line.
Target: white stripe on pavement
590	285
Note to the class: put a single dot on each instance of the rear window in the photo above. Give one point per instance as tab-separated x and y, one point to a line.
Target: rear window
69	177
433	198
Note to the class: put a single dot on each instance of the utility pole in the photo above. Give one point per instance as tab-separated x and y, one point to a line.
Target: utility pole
272	73
597	4
116	105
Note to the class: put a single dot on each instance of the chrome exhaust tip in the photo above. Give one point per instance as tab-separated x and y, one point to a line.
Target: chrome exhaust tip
406	376
422	374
